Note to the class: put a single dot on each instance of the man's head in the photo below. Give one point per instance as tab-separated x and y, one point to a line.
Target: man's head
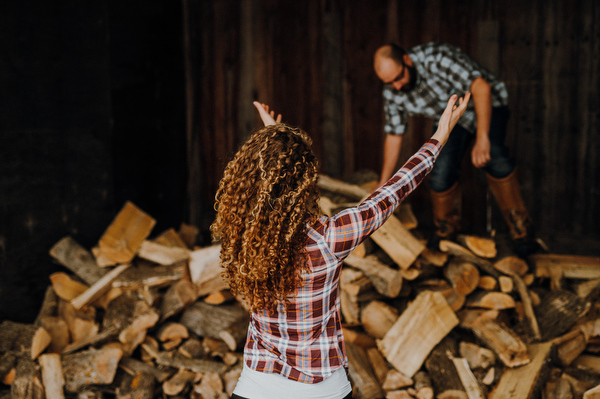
394	67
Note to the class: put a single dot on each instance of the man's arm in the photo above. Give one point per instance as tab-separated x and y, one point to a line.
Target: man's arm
482	99
391	153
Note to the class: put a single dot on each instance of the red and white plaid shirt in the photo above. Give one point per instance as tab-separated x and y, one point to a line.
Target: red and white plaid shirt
306	343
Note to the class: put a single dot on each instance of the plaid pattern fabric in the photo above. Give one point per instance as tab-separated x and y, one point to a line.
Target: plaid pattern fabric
442	70
306	343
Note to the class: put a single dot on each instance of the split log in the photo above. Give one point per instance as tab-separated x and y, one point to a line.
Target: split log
569	350
219	297
580	382
96	338
481	246
398	394
558	312
385	280
377	318
361	374
487	283
189	234
179	296
489	377
52	376
65	287
364	248
349	308
378	364
93	366
585	288
352	191
230	379
423	385
435	258
567	266
507	284
490	300
175	360
455	300
404	345
139	385
510	265
527	306
463	276
59	333
440	368
26	383
133	367
8	362
171	334
358	338
144	275
398	242
593	393
23	338
132	317
395	380
178	382
217	322
467	378
455	249
358	286
205	270
476	356
405	214
98	288
77	259
191	348
49	306
170	238
162	254
82	322
522	382
509	348
562	390
590	363
123	237
211	386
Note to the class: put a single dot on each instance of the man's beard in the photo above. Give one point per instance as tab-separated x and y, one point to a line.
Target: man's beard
412	79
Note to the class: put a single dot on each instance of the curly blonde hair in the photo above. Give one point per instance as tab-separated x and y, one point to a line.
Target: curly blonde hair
267	193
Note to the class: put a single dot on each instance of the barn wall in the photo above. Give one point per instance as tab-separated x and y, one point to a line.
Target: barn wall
312	61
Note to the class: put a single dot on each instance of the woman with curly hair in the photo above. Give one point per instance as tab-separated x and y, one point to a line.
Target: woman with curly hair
285	261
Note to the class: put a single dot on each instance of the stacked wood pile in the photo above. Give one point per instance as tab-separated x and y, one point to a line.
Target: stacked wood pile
144	318
471	321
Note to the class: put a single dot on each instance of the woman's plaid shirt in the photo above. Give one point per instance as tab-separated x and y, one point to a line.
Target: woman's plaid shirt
306	342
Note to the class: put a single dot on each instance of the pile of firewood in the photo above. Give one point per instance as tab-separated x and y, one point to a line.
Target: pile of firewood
145	318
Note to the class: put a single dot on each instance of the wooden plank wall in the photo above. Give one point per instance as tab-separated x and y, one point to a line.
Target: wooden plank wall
312	60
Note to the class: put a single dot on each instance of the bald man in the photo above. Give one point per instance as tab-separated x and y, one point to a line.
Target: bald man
419	81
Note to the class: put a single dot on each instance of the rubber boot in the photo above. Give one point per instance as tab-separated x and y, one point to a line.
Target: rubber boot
507	193
446	215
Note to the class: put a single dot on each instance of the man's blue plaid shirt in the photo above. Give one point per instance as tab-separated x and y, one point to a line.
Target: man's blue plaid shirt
442	70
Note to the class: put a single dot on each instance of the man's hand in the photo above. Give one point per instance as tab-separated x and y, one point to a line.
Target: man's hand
266	116
480	155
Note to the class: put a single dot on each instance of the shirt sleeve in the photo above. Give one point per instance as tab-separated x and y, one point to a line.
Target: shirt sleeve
396	117
456	67
347	229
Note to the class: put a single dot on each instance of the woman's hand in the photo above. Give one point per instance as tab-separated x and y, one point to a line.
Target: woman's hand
266	116
450	117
